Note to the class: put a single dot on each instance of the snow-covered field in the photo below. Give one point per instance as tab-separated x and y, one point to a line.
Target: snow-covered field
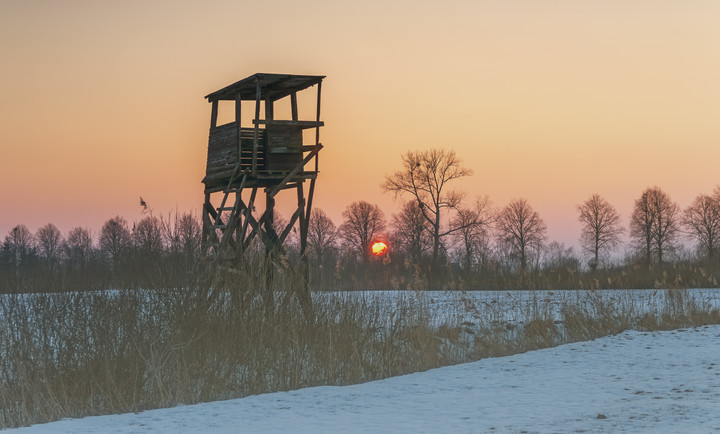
632	382
486	308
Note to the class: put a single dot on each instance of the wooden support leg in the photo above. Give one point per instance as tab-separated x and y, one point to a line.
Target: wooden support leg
303	287
269	256
207	220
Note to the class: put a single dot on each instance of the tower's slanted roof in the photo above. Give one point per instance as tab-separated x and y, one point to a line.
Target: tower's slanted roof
273	86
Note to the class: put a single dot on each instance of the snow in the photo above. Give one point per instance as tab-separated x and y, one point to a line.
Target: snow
635	381
518	306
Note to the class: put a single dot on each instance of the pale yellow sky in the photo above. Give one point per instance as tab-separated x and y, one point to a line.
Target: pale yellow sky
101	102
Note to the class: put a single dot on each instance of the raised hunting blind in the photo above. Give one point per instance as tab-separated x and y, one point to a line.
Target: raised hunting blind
269	155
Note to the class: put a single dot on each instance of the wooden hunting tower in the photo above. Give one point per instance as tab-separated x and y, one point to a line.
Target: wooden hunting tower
267	154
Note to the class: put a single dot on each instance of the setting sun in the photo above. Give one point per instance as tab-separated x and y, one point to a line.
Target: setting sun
379	248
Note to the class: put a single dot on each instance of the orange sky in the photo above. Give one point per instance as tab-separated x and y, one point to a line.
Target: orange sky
102	102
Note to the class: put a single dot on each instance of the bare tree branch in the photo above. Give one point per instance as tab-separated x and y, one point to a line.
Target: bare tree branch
424	176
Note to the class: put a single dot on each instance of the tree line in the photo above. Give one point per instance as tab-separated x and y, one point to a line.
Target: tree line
439	238
154	252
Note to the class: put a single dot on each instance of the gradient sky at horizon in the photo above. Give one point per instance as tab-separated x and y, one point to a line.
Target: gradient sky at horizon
102	102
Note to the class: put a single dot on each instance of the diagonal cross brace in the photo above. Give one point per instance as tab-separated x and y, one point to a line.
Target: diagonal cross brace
297	168
257	228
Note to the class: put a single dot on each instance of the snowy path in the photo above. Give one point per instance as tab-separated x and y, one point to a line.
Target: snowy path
634	382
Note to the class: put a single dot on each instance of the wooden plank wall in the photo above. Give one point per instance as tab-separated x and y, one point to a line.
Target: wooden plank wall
223	149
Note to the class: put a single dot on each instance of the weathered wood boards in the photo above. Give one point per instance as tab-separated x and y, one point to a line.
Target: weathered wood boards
223	150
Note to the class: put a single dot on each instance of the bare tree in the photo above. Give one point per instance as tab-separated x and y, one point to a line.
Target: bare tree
702	222
654	223
473	226
322	234
189	233
147	235
182	235
363	222
425	175
322	240
79	247
19	244
19	241
115	239
49	243
667	223
641	226
411	232
18	247
522	229
601	228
